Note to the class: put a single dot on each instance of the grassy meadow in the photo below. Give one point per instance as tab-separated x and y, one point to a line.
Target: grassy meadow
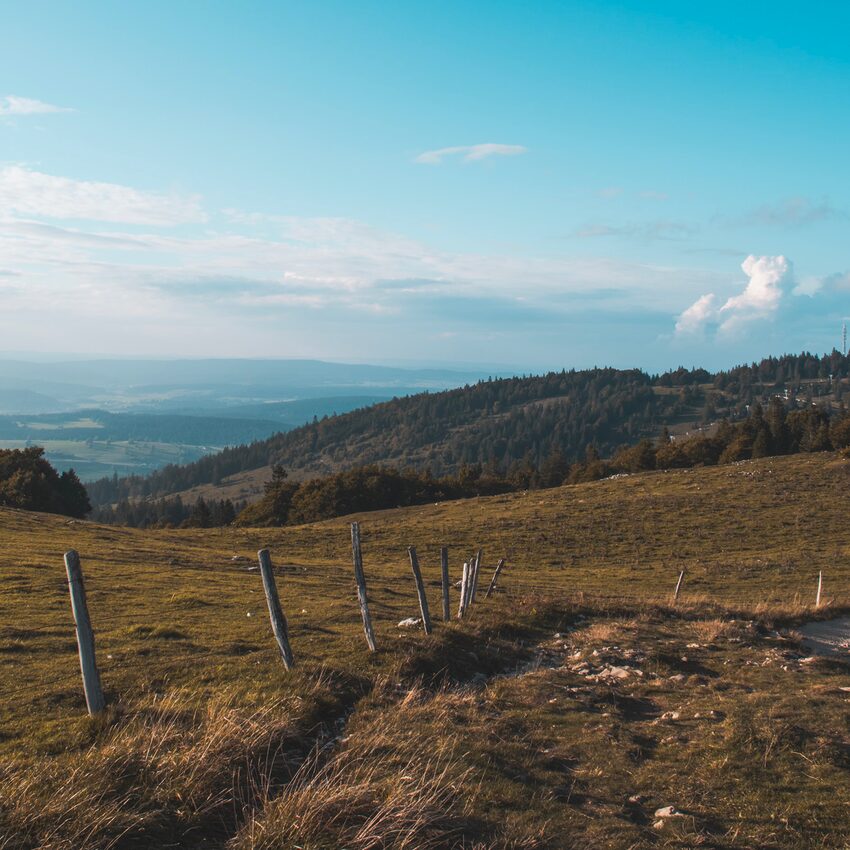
506	730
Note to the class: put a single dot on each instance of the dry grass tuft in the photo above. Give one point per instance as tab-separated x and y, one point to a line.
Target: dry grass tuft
362	799
163	771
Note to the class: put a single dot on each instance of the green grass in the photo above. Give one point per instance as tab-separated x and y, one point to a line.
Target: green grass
487	731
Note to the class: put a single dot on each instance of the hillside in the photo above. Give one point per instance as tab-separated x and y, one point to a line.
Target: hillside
709	707
498	422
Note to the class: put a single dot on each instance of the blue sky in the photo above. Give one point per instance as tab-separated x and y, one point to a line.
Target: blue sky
542	185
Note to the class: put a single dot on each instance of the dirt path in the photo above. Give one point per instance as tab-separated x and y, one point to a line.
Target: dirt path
828	637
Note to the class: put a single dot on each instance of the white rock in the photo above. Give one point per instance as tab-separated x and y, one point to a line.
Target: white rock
666	812
409	623
615	673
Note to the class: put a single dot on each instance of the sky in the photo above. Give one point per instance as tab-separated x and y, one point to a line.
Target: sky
545	185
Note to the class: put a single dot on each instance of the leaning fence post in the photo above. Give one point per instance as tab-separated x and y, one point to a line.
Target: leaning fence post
474	587
463	584
444	568
85	636
420	589
678	587
361	586
496	572
820	588
276	615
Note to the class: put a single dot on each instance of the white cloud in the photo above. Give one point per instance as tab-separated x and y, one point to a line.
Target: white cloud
62	268
790	212
694	319
470	153
761	296
760	299
648	231
33	193
14	105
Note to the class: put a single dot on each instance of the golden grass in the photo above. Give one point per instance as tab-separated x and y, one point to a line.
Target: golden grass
207	738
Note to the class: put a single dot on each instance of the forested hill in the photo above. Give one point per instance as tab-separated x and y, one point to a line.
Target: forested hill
508	421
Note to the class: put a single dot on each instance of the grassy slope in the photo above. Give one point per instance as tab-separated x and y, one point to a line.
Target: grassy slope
554	756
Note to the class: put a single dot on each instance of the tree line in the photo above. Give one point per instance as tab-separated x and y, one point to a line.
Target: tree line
502	421
777	430
29	482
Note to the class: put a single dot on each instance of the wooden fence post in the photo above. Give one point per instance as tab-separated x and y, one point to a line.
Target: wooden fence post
444	569
361	586
475	573
496	572
820	588
85	636
678	587
420	590
463	584
276	615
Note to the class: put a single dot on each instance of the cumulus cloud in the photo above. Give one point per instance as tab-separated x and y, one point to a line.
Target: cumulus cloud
761	296
470	153
14	105
760	299
694	319
33	193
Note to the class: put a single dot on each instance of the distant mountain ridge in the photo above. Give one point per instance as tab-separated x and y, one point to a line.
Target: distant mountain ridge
506	421
189	385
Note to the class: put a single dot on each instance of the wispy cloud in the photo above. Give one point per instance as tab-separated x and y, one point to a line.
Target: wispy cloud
65	261
790	212
610	192
13	105
470	153
33	193
649	230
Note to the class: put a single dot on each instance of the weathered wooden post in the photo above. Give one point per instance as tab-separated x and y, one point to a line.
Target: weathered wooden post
495	578
420	589
444	569
85	636
463	585
361	586
276	615
476	571
678	587
820	588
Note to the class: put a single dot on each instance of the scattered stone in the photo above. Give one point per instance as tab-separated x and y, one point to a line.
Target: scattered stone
615	673
670	715
678	677
636	799
666	812
409	623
